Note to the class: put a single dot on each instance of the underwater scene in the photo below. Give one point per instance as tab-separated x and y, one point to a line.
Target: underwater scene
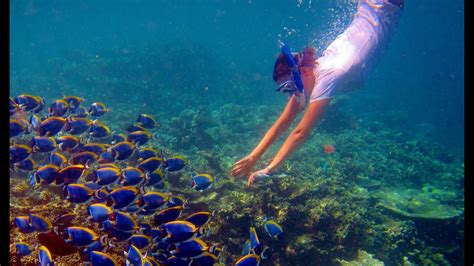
130	121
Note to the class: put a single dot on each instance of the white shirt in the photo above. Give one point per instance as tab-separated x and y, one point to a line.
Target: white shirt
346	60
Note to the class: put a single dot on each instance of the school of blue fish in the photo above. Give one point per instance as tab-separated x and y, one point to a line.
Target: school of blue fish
120	180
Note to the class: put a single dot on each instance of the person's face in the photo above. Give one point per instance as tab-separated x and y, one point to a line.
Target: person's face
306	61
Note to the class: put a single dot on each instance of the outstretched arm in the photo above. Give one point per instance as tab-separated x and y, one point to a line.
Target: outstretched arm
244	166
296	138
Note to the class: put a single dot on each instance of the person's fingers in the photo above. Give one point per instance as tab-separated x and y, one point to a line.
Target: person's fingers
236	172
251	179
237	168
238	165
241	160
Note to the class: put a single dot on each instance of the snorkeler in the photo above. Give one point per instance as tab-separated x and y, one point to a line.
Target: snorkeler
304	77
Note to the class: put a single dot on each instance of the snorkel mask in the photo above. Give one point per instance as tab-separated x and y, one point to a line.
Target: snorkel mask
291	84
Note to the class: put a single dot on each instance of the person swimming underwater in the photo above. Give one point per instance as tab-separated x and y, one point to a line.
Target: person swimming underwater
342	67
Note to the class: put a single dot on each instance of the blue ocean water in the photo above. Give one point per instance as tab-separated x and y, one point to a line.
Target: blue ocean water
170	58
223	43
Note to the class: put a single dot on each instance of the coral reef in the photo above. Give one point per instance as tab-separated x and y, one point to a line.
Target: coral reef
363	258
332	202
377	193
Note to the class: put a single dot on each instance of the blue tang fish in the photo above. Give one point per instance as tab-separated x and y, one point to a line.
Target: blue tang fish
124	196
46	174
147	121
35	123
100	212
57	159
26	165
77	125
108	175
177	200
202	181
116	138
139	137
175	163
207	259
140	241
23	249
145	153
29	102
40	224
23	224
135	127
81	236
273	229
254	240
99	130
70	174
17	128
156	179
132	176
51	126
248	260
154	199
58	108
167	215
246	247
80	111
122	150
73	101
85	157
19	152
96	148
78	193
125	222
190	249
43	144
106	157
150	261
102	259
255	244
44	257
180	231
151	164
97	109
96	246
145	210
199	219
173	260
68	143
134	256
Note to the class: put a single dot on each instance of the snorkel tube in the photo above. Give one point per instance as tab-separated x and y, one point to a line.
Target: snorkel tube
300	95
293	66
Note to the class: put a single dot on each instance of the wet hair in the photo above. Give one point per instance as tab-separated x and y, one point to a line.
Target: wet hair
281	69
